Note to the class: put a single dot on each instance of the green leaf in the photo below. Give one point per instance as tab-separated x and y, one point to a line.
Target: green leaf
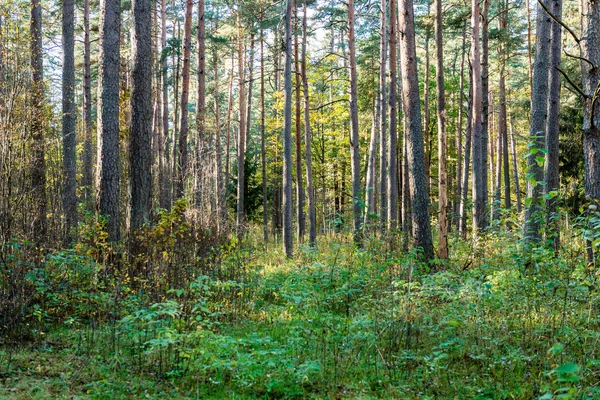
569	368
557	348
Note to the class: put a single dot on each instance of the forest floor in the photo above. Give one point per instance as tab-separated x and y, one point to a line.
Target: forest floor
494	322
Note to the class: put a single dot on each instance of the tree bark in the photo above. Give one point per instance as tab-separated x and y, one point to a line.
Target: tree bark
537	128
485	113
312	210
421	228
38	167
107	177
299	184
288	240
140	137
383	176
68	119
479	206
392	202
591	111
354	154
462	228
551	167
164	181
88	168
182	159
442	136
201	103
241	144
515	166
459	133
263	149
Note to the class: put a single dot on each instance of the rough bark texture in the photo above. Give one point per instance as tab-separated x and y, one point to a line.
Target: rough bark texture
442	137
354	154
88	153
515	166
107	177
383	116
392	202
551	166
140	136
182	156
459	133
263	149
479	206
537	127
462	228
201	103
219	189
485	113
421	228
312	208
288	239
38	166
591	82
164	182
68	118
241	144
301	220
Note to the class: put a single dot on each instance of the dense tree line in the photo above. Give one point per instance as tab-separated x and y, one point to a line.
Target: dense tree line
342	88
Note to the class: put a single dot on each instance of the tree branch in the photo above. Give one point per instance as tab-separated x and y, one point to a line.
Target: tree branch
573	85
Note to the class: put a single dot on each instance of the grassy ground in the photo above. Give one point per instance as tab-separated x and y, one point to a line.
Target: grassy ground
493	323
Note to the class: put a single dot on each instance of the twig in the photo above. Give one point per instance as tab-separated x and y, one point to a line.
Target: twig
573	84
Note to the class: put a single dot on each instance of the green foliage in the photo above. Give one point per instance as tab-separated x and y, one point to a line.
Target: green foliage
335	322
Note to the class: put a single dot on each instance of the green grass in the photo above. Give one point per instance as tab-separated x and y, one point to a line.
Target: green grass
493	323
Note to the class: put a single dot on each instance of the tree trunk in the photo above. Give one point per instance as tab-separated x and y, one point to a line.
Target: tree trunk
241	144
299	185
312	210
228	130
421	228
479	206
485	112
392	202
383	121
68	119
288	240
442	136
502	115
462	228
354	155
591	110
201	107
164	181
515	166
88	167
459	133
140	137
107	177
551	176
426	86
263	148
219	189
182	161
537	128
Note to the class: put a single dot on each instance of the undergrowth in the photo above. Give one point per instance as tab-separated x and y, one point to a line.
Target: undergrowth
495	322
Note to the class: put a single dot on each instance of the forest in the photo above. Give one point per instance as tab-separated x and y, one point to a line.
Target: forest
300	199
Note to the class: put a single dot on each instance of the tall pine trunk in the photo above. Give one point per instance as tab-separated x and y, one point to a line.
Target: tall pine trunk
312	209
392	202
288	239
382	100
421	228
182	159
537	127
107	177
68	118
140	137
442	137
